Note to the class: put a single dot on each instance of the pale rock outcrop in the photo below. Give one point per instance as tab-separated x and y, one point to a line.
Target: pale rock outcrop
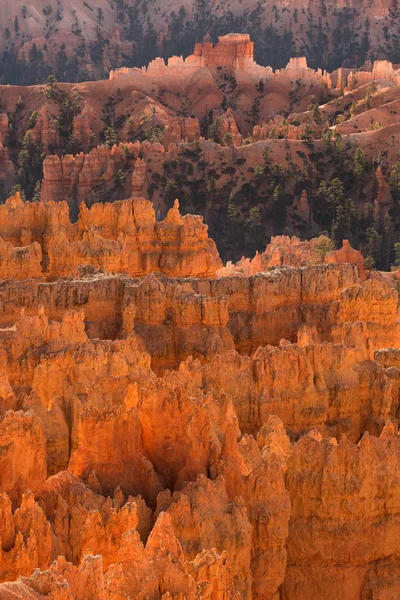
297	69
382	69
233	51
3	126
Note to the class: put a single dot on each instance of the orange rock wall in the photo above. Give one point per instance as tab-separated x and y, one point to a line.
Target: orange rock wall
334	520
119	237
174	435
74	178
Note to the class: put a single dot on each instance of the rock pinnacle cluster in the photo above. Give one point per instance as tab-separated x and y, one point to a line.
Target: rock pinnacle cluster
174	429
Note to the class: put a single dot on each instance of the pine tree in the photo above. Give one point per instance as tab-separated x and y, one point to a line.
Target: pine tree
341	208
386	231
374	241
324	246
308	134
110	137
30	165
119	179
369	263
100	15
359	168
214	131
228	139
395	181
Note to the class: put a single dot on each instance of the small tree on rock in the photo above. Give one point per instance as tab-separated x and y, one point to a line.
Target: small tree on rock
324	246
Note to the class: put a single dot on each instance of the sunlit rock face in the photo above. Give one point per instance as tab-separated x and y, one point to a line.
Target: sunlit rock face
170	432
122	237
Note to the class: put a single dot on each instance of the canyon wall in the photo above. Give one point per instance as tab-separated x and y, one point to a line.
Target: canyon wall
79	396
174	434
291	251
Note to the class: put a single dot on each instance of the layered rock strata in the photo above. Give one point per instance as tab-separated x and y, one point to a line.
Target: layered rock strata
166	437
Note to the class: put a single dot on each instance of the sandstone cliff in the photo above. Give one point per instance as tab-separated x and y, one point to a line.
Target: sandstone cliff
168	434
215	129
343	512
119	237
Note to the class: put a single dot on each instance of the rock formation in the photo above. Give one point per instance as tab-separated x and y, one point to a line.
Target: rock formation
45	130
382	69
347	254
211	129
232	50
159	432
383	198
53	31
122	237
322	502
172	429
291	251
80	174
3	126
182	129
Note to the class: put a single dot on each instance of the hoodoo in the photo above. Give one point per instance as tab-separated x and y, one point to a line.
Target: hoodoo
234	50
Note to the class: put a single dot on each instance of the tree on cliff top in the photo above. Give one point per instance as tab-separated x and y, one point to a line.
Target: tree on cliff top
324	246
30	165
308	134
110	137
369	263
214	132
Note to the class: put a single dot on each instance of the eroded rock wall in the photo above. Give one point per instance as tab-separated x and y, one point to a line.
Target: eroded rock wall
122	237
166	437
